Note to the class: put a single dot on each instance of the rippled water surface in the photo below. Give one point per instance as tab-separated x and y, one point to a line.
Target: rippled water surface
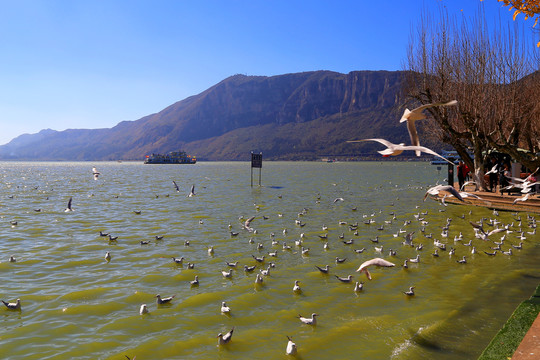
77	305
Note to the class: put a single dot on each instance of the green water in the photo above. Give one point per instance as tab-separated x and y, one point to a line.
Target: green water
75	305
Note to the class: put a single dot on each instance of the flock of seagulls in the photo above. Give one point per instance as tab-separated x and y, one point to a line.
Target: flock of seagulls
375	250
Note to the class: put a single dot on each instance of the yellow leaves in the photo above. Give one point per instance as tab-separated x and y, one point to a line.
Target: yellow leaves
530	8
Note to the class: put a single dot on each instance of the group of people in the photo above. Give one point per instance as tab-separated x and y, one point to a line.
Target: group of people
498	173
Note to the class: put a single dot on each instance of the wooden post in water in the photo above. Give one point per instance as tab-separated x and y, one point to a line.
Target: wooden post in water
256	162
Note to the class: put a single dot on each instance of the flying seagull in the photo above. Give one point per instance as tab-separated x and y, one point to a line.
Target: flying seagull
95	173
69	208
410	116
376	262
176	186
397	149
435	190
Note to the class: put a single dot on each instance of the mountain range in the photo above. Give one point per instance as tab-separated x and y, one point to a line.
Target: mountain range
299	116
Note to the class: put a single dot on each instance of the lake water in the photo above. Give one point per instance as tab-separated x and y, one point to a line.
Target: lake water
77	305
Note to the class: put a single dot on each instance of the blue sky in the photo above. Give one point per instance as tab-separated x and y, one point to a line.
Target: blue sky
91	64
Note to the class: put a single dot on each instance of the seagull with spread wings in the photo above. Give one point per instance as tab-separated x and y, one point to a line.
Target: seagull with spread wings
410	116
397	149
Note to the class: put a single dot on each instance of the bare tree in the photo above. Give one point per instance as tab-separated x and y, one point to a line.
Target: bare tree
492	75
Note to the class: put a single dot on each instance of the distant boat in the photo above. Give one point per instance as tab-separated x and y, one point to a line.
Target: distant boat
174	157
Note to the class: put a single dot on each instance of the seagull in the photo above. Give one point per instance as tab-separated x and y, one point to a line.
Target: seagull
143	310
13	306
258	279
69	208
178	261
482	234
397	149
258	259
410	292
164	300
195	282
340	260
462	261
247	223
107	256
231	264
416	259
192	191
416	114
358	286
227	274
291	347
309	321
224	308
324	270
95	173
176	186
345	280
12	259
523	198
376	262
435	190
224	339
249	268
296	287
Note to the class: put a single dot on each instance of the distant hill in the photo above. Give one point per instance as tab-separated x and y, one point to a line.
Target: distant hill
294	116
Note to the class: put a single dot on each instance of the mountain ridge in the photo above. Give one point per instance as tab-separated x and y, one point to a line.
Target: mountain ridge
291	116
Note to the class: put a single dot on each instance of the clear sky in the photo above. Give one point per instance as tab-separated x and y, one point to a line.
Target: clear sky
91	64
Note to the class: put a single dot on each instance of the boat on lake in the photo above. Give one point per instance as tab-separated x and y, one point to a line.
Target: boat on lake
174	157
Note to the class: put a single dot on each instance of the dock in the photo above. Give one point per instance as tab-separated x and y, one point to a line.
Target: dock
496	201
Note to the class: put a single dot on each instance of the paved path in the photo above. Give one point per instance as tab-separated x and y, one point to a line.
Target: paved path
529	348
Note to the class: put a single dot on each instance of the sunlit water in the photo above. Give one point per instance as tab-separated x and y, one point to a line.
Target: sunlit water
77	305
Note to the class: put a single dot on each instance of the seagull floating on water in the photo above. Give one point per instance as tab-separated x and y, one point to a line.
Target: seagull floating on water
296	287
410	292
166	300
224	339
224	308
13	306
324	270
291	347
143	310
309	321
345	280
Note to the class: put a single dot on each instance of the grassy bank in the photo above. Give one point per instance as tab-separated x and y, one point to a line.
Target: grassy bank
505	343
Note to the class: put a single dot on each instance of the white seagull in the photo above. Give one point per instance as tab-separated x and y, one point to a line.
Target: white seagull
164	300
435	190
410	116
13	306
291	347
397	149
95	173
309	321
224	339
224	308
376	262
143	310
